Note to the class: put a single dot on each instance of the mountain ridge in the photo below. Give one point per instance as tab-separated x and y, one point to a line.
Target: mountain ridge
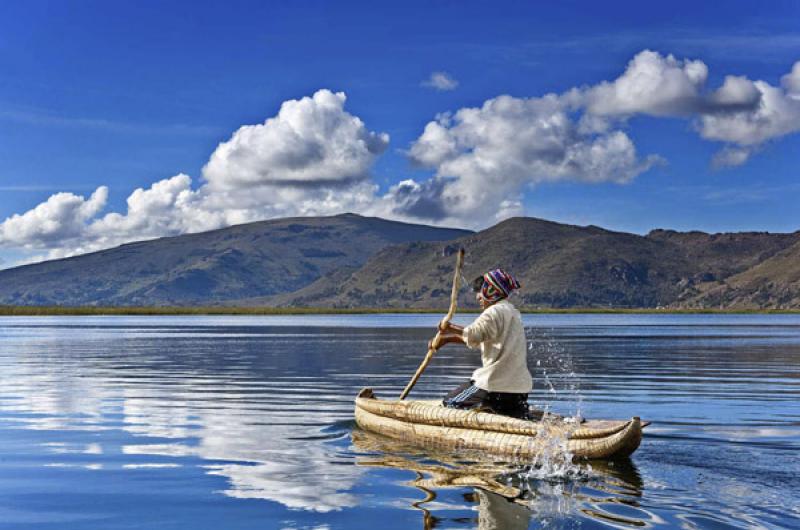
265	257
560	266
349	261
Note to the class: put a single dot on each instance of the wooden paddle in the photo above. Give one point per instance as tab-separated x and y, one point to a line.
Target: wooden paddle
450	313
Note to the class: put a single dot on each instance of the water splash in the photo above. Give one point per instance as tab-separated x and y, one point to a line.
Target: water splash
554	461
555	370
552	492
552	503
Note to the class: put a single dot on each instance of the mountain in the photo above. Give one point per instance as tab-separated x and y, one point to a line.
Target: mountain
251	260
722	255
772	283
353	261
562	266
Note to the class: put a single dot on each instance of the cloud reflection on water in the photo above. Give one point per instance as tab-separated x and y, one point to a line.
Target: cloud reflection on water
258	453
262	412
254	440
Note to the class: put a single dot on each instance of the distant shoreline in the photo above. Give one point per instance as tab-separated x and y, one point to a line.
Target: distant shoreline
221	310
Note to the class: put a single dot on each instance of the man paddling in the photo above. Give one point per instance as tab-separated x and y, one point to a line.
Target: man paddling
502	384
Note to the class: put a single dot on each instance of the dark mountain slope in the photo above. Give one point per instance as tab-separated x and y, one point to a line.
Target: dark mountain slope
558	265
353	261
722	255
774	283
251	260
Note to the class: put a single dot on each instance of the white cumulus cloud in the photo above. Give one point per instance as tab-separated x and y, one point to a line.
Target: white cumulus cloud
741	113
791	82
484	157
730	157
776	114
60	219
312	158
652	84
163	209
735	92
315	158
312	140
441	81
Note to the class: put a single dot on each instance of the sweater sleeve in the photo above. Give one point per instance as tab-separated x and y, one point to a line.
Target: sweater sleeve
482	329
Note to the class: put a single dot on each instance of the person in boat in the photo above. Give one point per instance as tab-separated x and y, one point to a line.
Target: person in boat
501	385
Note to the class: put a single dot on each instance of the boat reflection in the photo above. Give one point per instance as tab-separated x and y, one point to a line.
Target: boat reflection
510	496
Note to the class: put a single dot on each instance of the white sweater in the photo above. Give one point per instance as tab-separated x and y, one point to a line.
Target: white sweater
499	333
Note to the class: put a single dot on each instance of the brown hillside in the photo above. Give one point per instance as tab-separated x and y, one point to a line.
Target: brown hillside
773	283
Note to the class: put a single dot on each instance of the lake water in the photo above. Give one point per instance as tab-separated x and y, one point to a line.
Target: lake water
246	422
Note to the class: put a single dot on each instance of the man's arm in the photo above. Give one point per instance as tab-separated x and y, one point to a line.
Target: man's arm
447	338
449	333
446	327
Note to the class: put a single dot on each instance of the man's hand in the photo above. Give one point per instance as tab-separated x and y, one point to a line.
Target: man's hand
445	338
448	327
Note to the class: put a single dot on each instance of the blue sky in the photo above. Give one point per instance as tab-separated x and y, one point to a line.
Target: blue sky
98	99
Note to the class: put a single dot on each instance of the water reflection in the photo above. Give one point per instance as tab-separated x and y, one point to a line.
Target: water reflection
252	419
500	505
508	496
231	416
259	450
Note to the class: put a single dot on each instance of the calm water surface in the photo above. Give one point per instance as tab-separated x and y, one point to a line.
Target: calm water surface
246	422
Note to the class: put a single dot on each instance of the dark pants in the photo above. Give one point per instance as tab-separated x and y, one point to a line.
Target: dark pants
469	396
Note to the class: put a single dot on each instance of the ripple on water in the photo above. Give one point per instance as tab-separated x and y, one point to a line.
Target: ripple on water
252	418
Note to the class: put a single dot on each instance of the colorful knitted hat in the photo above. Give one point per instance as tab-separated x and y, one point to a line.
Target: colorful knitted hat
497	284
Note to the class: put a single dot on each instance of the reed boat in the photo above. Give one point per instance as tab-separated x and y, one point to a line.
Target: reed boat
429	424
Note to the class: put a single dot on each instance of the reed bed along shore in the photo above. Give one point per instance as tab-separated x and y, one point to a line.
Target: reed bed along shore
223	310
